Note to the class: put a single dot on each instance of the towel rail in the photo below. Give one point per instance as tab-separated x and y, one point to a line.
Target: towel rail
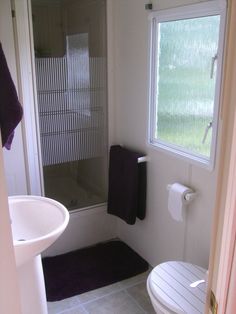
142	159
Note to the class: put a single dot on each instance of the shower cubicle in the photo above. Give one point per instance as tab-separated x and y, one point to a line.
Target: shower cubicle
70	67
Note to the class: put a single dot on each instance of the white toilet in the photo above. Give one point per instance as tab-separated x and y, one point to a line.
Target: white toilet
177	287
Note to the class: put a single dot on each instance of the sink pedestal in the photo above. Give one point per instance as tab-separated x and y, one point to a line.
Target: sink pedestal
32	287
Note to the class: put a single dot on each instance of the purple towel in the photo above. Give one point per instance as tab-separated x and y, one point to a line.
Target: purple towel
127	185
10	109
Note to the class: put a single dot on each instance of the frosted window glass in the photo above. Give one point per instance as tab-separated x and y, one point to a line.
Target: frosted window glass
185	87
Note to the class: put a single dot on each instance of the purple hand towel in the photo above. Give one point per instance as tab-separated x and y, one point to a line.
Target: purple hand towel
127	185
11	111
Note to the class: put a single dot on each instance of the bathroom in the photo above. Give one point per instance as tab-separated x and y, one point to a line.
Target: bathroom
157	238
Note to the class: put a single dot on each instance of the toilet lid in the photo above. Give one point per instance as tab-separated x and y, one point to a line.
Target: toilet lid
172	284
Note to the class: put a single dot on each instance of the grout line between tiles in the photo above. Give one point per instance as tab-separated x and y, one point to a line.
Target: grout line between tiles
85	309
135	301
110	293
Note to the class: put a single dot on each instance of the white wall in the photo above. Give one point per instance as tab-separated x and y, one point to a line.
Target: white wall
158	238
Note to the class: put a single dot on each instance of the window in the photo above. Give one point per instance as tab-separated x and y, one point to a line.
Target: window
186	57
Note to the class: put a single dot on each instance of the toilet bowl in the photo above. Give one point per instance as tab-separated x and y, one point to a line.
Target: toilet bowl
177	287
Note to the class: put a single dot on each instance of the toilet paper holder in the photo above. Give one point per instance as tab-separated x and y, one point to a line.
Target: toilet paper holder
188	197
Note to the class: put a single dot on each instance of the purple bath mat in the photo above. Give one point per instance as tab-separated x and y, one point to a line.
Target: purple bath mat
90	268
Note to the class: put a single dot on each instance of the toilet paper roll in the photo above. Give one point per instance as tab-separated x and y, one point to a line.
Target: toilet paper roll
176	200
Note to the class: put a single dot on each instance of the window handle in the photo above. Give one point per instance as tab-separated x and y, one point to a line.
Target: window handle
213	60
209	125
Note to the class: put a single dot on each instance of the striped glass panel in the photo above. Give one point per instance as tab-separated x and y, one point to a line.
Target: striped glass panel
70	63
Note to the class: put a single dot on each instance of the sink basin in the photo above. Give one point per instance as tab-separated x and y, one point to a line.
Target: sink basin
36	223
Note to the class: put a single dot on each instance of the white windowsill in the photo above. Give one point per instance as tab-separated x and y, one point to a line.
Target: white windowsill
196	160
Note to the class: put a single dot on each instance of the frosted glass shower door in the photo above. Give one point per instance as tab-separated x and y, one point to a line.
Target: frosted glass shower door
72	106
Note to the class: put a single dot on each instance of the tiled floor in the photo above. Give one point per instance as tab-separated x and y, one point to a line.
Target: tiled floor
125	297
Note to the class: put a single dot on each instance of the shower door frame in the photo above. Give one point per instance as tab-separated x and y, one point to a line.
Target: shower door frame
24	43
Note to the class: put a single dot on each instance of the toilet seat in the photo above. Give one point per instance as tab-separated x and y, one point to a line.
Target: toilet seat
169	288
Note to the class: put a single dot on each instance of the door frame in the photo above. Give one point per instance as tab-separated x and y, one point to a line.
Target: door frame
224	226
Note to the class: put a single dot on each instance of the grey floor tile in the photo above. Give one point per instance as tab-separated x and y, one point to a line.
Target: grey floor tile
116	303
59	306
140	294
134	280
77	310
109	299
98	293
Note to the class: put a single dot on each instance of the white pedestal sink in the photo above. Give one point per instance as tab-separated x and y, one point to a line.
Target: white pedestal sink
36	223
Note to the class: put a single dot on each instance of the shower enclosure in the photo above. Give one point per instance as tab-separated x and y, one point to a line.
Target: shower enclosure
70	67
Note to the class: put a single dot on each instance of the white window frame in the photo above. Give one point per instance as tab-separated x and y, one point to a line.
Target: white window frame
204	9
